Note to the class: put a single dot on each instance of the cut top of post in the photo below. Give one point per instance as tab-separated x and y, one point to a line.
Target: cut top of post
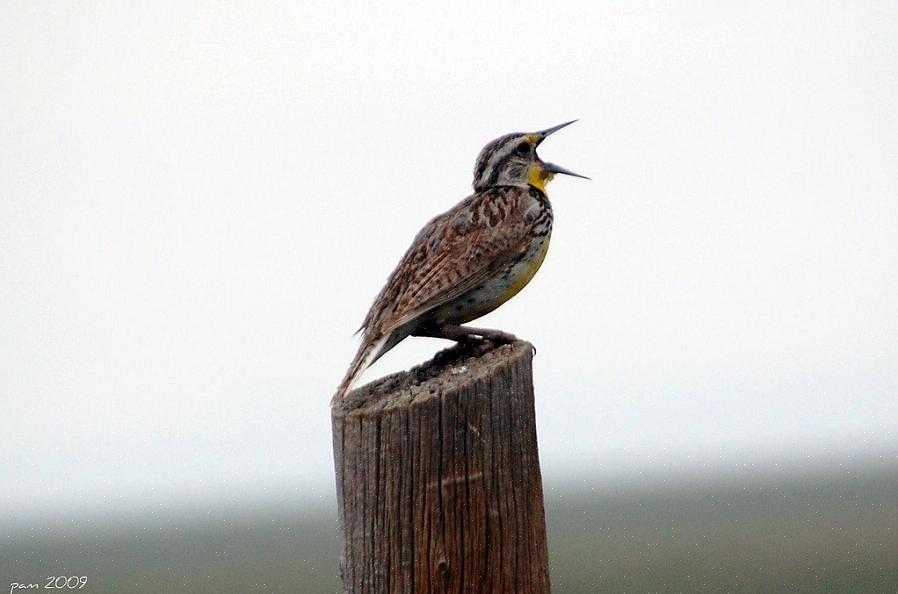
449	370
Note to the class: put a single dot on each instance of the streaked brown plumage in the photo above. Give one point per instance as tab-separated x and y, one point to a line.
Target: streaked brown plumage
469	260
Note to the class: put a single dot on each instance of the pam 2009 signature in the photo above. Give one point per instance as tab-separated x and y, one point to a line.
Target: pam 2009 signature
53	582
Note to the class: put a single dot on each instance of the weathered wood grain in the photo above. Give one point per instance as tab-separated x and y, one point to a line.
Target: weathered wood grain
438	479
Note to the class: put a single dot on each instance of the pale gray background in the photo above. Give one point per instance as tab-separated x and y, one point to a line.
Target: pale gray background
199	203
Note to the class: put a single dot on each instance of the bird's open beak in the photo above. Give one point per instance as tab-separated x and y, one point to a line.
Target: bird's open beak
552	168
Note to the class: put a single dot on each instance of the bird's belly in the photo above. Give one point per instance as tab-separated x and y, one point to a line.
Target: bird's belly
507	283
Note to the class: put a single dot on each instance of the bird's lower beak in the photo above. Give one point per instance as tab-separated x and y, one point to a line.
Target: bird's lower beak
553	168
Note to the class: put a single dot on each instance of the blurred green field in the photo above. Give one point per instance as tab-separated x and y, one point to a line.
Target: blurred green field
784	533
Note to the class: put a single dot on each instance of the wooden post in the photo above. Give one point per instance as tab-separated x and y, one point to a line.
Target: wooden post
438	479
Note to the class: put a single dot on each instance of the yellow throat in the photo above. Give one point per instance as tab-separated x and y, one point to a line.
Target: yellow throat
539	177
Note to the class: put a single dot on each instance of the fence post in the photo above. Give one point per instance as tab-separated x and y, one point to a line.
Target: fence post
438	480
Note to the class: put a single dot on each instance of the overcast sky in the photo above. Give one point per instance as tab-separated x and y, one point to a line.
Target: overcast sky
199	204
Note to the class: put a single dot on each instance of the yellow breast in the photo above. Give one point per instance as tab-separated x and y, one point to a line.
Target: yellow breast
528	275
488	298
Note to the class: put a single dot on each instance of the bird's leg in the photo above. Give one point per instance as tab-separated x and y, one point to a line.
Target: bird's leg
464	334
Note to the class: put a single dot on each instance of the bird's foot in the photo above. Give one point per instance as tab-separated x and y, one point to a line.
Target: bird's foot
488	334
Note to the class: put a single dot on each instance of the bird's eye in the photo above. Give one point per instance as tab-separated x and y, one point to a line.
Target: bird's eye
523	149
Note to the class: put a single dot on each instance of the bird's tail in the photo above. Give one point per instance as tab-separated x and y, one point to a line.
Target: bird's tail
369	352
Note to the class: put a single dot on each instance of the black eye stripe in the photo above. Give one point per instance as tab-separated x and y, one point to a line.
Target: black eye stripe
494	158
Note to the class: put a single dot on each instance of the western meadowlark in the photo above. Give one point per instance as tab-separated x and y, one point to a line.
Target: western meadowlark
469	260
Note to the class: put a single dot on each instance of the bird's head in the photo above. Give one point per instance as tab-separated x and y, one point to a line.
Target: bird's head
511	160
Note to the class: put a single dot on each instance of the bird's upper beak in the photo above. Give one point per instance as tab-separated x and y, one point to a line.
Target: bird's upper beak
538	137
543	134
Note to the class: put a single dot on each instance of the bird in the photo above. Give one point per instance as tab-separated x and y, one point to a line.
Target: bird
469	260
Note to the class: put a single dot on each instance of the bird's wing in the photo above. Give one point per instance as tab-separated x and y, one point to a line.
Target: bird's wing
454	253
